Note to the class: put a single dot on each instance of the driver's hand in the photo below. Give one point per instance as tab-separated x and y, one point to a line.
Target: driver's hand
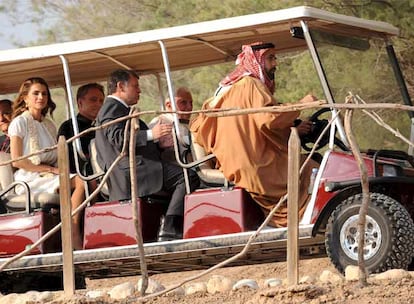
305	127
308	98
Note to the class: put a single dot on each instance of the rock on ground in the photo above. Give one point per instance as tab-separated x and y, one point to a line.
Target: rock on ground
397	288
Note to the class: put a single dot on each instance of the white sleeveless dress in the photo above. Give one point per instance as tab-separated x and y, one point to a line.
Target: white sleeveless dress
36	136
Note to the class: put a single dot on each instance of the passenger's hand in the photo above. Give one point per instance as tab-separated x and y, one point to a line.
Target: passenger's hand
54	170
166	141
161	129
305	127
308	98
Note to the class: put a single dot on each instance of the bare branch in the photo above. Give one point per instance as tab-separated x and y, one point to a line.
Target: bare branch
134	195
382	123
365	193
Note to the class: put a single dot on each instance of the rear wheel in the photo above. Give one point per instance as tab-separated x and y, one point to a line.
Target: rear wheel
389	234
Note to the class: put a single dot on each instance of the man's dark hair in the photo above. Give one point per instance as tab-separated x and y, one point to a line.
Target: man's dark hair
8	102
117	76
83	90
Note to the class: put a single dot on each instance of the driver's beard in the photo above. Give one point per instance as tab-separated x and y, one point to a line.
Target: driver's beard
271	74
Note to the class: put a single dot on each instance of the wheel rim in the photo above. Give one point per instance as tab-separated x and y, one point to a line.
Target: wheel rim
349	236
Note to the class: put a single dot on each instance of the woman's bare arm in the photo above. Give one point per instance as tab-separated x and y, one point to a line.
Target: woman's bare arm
16	150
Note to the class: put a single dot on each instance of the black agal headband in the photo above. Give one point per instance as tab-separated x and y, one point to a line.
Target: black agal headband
263	46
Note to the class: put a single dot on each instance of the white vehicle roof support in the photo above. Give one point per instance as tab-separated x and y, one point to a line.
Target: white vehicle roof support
322	78
161	93
66	72
170	87
171	94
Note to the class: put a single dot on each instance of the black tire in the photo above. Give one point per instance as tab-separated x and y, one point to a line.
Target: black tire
390	241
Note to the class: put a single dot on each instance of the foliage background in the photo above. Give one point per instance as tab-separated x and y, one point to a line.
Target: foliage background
65	20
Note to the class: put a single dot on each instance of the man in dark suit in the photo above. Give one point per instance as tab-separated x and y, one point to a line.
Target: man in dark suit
153	175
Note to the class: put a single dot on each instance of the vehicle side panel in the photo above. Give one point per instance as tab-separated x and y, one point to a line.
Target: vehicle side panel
218	211
111	224
18	231
339	167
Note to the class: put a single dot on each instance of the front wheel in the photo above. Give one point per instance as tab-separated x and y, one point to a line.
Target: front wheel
389	234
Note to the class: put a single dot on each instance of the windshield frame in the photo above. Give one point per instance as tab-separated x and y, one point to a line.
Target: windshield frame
393	61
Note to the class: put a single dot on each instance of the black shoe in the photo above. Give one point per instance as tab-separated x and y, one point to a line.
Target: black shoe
170	228
168	237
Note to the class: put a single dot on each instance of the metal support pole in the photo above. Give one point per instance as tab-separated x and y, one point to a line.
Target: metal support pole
322	78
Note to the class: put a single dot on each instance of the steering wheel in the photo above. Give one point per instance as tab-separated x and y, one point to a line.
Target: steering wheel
317	128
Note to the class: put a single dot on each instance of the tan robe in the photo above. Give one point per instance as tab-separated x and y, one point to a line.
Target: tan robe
251	150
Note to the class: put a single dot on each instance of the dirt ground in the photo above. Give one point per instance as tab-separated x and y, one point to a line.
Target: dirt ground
401	291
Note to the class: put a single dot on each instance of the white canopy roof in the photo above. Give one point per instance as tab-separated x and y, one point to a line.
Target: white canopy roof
190	45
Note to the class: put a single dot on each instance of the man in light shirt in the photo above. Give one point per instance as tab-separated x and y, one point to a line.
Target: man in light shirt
183	102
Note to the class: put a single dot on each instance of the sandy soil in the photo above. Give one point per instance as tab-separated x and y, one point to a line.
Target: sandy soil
401	291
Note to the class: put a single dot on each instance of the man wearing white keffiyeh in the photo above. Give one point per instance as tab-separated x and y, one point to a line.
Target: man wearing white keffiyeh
31	131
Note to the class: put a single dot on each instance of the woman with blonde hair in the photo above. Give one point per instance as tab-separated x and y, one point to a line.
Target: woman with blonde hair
30	131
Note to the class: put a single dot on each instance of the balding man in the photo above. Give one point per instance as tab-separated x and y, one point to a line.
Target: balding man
184	102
